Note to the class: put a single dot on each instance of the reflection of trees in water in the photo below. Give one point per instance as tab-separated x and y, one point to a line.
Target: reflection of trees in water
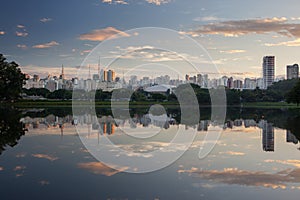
11	129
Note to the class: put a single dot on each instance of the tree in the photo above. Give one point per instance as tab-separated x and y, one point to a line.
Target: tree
11	129
294	95
11	80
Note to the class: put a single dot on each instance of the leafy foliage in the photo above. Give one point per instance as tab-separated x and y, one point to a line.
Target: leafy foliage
11	80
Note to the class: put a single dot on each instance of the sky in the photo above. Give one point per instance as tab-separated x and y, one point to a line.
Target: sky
41	36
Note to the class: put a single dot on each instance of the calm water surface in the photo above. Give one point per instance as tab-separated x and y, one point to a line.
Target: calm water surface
257	156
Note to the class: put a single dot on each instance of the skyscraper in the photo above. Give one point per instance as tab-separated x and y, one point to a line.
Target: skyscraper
292	71
268	70
62	75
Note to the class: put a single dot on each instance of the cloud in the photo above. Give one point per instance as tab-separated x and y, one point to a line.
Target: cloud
207	19
233	153
99	168
45	156
20	26
152	54
103	34
46	45
21	34
158	2
295	163
85	52
115	2
293	43
22	46
235	28
45	20
2	33
234	51
233	176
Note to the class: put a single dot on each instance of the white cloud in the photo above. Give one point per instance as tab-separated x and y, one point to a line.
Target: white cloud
45	19
234	51
46	45
233	153
158	2
207	19
115	2
22	46
20	26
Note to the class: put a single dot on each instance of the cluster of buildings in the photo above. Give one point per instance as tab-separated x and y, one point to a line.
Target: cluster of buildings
107	80
267	79
108	125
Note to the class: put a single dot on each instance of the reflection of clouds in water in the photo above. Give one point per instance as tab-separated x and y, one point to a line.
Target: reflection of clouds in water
234	176
45	156
141	150
100	168
44	182
19	170
21	155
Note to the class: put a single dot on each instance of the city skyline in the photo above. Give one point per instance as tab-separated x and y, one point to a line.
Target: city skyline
107	80
42	37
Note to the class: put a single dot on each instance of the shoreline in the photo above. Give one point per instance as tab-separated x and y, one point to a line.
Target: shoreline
103	104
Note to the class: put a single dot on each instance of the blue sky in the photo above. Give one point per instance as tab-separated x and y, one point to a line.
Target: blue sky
43	35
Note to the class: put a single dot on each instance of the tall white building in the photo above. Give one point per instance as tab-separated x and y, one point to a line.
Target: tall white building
268	70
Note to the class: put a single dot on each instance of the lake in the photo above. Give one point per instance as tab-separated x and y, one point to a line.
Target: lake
43	155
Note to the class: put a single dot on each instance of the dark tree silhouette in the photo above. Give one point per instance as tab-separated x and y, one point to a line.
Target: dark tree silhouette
11	80
11	129
294	95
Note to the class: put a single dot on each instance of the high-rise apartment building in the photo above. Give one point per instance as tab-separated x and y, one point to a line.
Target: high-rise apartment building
268	70
292	71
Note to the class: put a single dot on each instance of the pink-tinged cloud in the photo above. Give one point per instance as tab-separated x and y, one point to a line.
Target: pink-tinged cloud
293	43
46	45
99	168
45	156
18	168
103	34
2	33
21	34
235	28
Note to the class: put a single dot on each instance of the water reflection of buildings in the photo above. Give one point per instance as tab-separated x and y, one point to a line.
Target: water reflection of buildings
107	125
267	136
291	138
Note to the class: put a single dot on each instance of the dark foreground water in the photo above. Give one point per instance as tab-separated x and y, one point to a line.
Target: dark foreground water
256	157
